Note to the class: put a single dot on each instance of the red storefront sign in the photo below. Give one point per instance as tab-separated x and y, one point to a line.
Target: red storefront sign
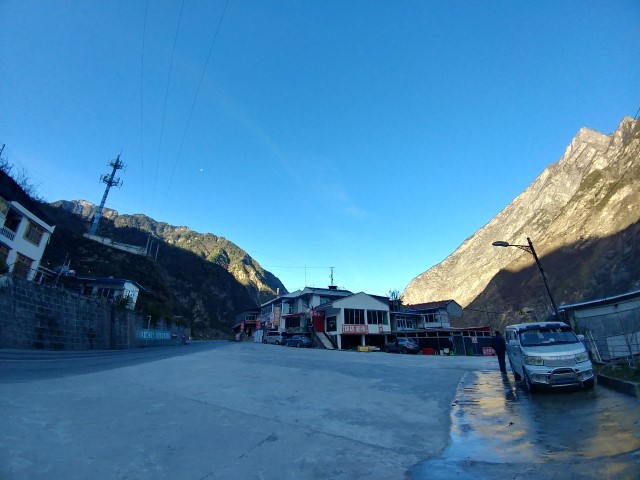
277	310
488	352
355	329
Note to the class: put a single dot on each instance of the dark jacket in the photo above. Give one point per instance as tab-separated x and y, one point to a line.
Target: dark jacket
498	344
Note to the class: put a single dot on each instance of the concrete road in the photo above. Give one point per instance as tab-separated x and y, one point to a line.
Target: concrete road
219	410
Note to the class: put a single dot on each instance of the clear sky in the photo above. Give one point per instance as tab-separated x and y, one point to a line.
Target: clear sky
370	136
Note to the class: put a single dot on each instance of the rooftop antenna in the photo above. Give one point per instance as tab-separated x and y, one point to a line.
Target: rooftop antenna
111	182
332	275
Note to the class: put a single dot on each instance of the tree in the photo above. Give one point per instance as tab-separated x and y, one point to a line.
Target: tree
395	300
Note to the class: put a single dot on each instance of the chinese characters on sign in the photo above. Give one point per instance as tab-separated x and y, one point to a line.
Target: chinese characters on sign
277	310
355	328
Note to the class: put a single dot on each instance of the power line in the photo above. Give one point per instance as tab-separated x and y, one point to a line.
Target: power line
282	266
144	31
195	99
166	95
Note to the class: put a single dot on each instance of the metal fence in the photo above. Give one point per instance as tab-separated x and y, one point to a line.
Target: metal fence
612	336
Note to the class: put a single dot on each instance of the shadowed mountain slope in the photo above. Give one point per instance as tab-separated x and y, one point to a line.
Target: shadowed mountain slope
582	215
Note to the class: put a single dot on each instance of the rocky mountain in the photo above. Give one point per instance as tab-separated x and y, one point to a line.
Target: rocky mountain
139	229
582	215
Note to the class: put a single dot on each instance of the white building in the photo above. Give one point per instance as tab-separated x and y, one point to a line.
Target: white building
335	318
611	325
109	289
426	315
357	320
294	312
23	238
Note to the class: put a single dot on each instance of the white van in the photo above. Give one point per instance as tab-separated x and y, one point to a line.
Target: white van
548	354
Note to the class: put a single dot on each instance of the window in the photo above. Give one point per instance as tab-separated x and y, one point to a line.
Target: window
34	233
430	318
376	317
22	267
4	206
353	316
293	322
4	252
12	222
405	323
324	300
331	324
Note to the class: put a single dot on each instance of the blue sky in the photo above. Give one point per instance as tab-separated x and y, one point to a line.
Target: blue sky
369	136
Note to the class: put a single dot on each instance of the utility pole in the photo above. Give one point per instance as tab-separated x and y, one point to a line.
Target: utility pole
111	181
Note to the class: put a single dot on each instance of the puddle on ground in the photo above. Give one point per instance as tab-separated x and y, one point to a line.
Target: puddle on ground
495	422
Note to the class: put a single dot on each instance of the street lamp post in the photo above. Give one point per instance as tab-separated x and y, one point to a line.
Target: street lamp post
529	249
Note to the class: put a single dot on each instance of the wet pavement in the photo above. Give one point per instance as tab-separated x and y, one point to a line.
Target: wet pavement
500	431
223	410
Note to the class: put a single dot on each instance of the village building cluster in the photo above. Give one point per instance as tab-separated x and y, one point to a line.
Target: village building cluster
338	319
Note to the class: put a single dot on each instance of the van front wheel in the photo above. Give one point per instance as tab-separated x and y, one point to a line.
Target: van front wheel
516	375
528	384
589	384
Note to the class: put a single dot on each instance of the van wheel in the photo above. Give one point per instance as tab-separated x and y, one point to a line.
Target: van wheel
589	384
277	342
528	385
264	341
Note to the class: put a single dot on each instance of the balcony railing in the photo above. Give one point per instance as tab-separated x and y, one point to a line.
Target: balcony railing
10	234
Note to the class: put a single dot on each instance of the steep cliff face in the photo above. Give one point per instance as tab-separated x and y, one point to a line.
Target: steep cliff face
577	212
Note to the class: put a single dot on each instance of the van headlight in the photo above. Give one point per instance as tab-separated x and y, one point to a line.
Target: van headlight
582	357
534	361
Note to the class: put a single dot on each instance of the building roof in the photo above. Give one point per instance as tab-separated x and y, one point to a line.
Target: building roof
115	281
309	291
601	301
429	305
328	291
327	305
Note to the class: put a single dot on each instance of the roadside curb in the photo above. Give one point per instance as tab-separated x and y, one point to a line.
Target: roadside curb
629	388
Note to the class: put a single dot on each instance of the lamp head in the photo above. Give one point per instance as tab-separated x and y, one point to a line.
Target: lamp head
501	243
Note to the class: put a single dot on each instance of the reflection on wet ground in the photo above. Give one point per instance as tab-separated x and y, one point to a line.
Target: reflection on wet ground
499	429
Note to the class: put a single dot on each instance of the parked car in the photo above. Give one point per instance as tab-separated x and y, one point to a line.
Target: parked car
402	345
299	341
274	337
548	354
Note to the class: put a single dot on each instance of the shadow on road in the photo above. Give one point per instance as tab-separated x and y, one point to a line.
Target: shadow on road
20	366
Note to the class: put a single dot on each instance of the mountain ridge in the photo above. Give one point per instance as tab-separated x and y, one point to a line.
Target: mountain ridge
590	194
261	284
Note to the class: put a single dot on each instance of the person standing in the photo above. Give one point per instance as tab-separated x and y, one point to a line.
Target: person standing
500	347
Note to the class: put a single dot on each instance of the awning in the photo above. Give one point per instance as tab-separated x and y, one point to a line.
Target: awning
293	315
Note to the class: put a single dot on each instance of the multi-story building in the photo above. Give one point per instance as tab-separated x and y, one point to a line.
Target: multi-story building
23	238
334	318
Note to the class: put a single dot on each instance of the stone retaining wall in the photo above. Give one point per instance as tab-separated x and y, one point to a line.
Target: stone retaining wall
34	316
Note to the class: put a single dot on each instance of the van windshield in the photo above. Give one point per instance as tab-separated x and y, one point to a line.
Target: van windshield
547	336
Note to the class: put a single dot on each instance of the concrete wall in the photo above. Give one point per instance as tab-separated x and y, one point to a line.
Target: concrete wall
33	316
